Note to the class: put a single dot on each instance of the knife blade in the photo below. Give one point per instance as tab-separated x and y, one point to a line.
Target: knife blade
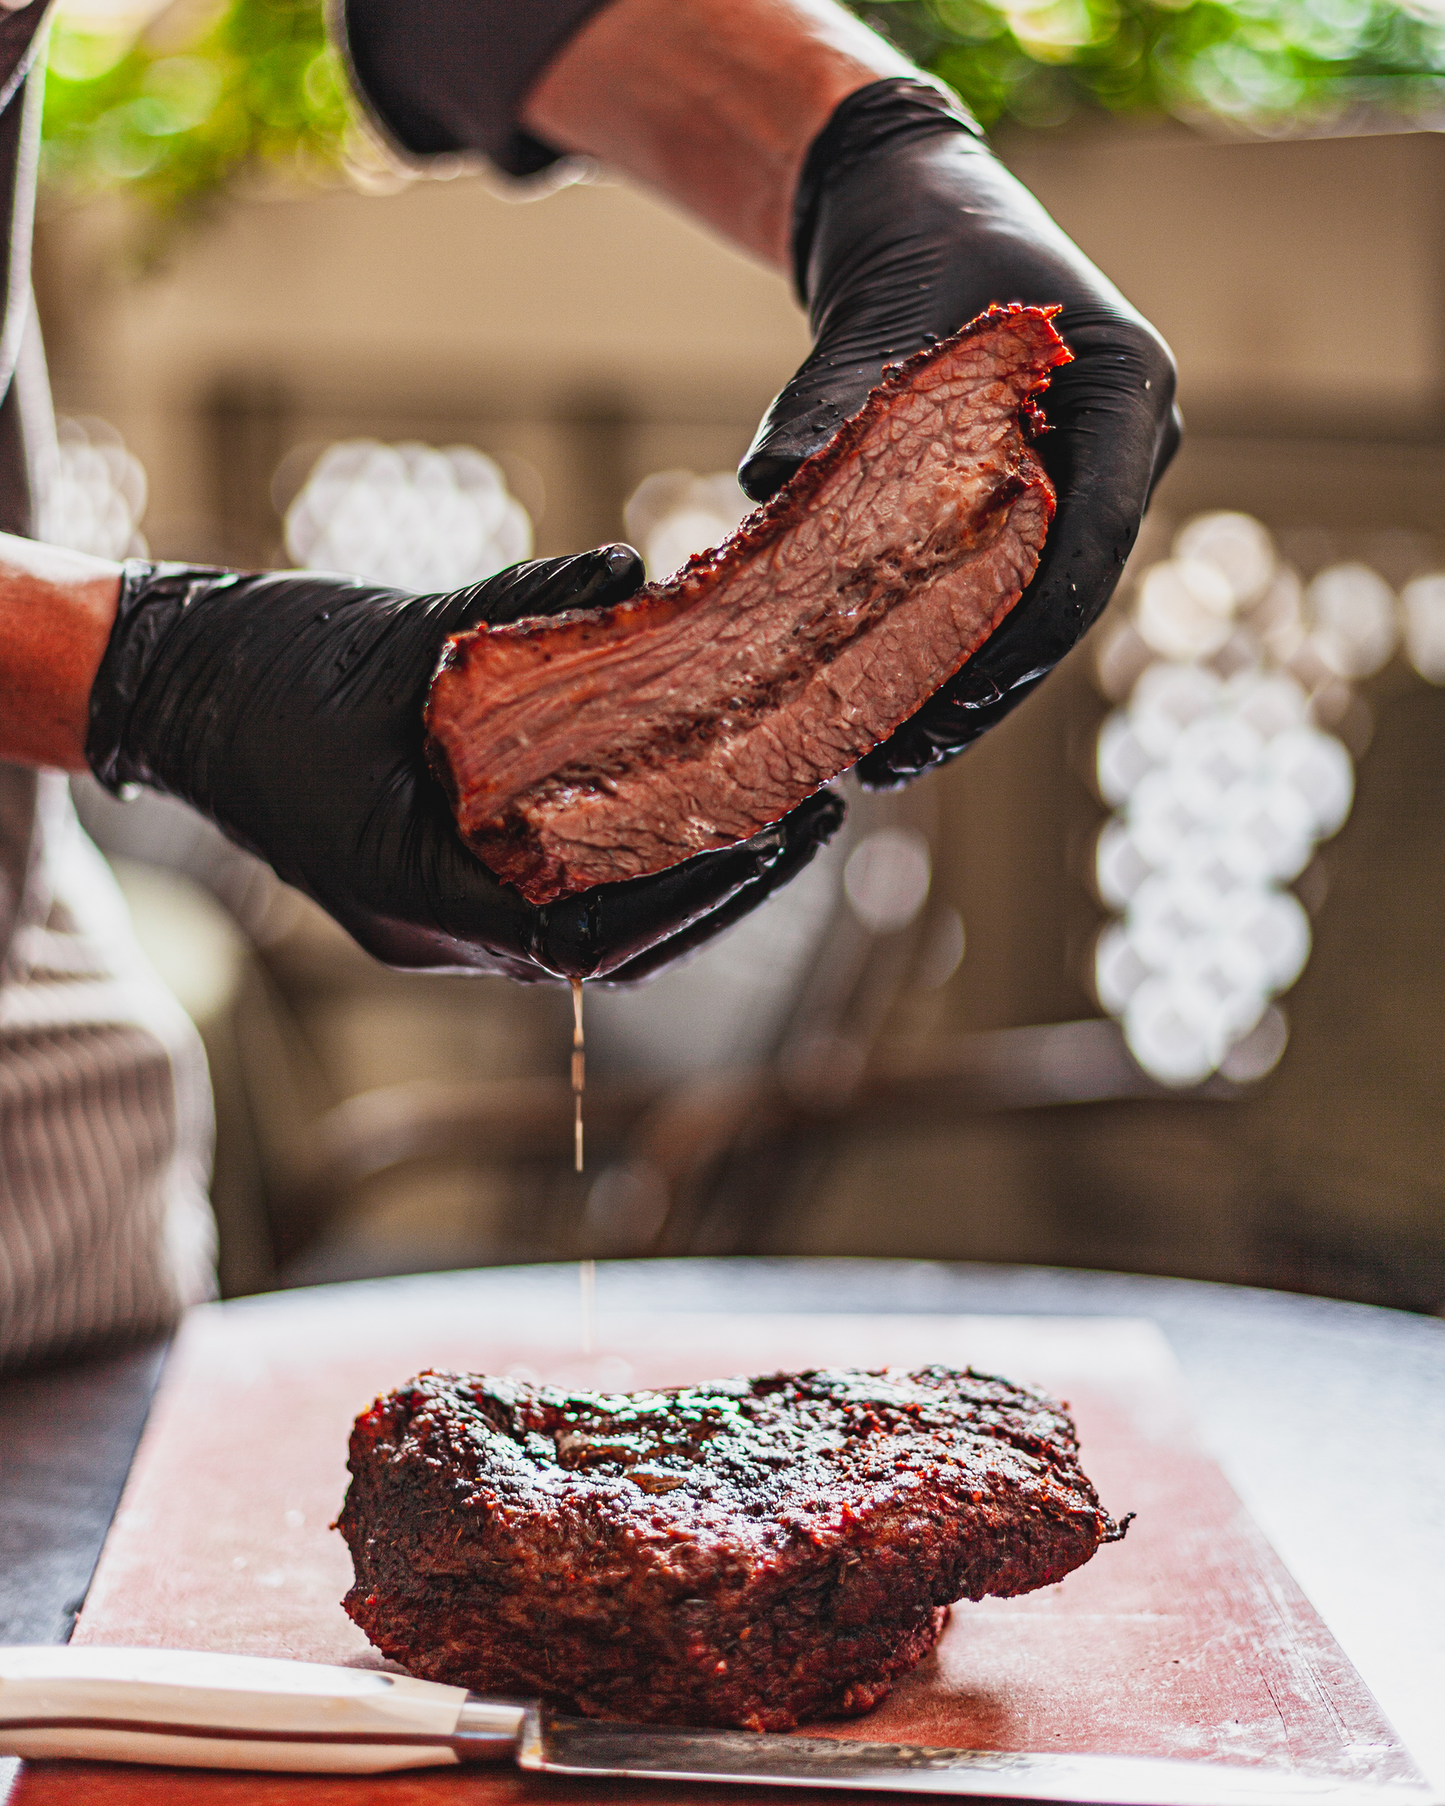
553	1744
193	1708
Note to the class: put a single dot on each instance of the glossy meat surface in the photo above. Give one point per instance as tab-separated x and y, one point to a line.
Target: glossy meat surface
583	749
756	1552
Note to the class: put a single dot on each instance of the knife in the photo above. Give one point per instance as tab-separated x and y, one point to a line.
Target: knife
203	1710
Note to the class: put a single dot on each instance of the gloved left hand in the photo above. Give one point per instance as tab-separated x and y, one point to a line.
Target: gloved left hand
288	708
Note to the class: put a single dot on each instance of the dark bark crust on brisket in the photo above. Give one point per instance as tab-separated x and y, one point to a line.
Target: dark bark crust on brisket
755	1552
586	748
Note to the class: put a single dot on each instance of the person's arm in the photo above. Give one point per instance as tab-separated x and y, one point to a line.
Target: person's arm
800	135
712	103
56	613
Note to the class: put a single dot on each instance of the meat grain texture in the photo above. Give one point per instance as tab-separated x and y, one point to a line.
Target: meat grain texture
586	748
756	1552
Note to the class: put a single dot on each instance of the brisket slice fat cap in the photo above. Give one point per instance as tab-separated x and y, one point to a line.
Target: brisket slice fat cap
590	747
751	1552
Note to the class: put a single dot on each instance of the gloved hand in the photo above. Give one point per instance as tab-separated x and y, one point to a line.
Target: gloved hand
288	708
905	226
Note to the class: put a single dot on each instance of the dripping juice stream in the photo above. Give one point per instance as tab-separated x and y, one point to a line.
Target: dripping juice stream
579	1071
587	1273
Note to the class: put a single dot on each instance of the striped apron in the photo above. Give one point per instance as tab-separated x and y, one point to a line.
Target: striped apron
105	1110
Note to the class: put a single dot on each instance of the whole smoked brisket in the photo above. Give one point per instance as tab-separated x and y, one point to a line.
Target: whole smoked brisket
590	747
754	1552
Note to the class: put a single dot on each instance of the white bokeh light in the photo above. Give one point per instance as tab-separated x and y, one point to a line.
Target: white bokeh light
1422	603
92	492
1237	546
1185	609
673	513
1223	784
407	515
887	877
1352	614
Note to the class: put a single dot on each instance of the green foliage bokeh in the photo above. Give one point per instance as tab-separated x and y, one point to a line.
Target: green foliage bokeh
205	98
1264	64
176	117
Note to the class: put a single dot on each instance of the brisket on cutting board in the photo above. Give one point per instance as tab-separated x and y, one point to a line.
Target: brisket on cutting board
755	1552
584	748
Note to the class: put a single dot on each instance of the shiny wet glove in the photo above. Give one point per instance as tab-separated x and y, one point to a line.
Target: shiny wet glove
905	226
287	707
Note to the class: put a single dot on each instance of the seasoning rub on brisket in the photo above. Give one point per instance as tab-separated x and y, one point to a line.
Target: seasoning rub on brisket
755	1552
590	747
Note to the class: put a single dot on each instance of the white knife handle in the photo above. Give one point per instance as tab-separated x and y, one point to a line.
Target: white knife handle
200	1709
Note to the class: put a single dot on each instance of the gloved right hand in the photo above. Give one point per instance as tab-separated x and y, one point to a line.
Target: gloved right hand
905	227
287	707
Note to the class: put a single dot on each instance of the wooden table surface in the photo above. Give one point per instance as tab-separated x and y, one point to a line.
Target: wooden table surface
1328	1418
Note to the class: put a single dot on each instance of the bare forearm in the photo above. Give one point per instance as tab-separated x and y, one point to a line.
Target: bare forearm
56	611
711	102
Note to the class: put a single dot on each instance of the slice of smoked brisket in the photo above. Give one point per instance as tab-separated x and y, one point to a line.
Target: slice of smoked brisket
755	1552
594	746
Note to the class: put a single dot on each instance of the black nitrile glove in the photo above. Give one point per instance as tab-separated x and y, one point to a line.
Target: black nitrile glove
905	227
288	708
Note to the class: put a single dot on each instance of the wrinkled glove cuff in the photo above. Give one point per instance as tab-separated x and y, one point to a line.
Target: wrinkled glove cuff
153	598
899	107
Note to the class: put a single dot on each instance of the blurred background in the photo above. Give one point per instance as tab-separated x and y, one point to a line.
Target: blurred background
1151	979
